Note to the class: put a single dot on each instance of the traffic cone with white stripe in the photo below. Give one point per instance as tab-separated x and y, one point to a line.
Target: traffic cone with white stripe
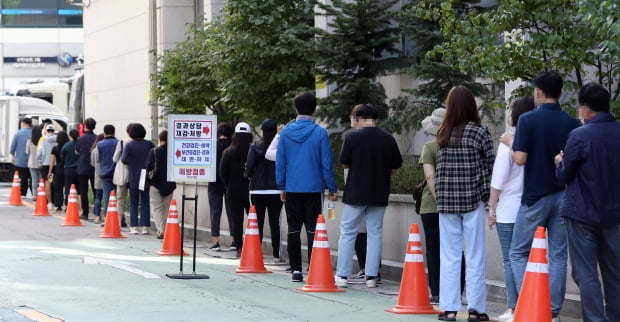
413	295
72	215
172	236
40	208
252	253
534	304
15	199
111	227
320	275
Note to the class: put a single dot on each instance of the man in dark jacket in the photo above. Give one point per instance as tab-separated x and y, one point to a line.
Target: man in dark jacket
107	165
217	189
591	204
85	171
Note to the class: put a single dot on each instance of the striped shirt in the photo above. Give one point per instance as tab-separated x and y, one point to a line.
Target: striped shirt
464	171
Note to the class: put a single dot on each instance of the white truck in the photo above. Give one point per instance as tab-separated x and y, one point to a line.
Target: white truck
12	110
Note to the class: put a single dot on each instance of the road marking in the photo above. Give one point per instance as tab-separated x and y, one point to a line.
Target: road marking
36	315
122	265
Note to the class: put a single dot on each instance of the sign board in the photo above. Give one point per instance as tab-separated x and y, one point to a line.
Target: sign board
192	145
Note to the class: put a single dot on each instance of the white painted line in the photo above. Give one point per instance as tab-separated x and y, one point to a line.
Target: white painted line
118	264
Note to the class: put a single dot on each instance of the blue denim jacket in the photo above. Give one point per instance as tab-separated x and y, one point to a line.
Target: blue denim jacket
591	173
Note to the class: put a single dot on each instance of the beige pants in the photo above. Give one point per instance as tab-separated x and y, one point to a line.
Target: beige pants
159	207
121	198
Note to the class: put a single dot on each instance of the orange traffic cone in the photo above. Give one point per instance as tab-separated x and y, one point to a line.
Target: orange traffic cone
72	215
320	275
172	236
252	253
111	227
534	304
15	199
40	208
413	295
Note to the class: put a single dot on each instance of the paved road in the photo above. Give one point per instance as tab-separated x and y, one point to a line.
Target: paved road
49	272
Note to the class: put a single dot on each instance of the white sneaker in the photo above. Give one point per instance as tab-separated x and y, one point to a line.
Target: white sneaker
133	230
556	319
340	281
371	282
145	231
507	316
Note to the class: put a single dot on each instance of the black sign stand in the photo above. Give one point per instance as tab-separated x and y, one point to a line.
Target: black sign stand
193	275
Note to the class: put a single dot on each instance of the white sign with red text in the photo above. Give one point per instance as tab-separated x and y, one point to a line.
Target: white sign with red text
192	144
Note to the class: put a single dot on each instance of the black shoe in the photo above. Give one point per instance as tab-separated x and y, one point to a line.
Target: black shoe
474	316
447	316
289	269
216	247
297	276
123	222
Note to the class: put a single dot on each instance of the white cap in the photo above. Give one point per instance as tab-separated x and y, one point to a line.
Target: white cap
243	127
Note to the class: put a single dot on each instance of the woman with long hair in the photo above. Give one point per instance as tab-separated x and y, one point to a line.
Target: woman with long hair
463	174
70	160
232	168
98	191
264	191
34	165
57	167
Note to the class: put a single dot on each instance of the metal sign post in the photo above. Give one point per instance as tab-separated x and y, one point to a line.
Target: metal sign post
191	159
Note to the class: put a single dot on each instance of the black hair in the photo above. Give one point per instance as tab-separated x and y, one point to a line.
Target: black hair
90	123
225	129
520	106
36	134
128	127
163	136
74	134
270	128
367	111
305	103
27	121
595	97
550	83
239	146
61	138
109	129
137	131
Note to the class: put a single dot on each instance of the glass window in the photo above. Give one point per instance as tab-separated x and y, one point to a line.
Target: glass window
39	13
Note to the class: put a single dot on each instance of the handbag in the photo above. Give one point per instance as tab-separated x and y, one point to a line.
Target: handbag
417	195
120	176
153	172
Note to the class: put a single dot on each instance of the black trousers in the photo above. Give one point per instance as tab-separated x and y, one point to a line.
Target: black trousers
302	209
360	249
24	178
58	186
236	205
83	191
273	205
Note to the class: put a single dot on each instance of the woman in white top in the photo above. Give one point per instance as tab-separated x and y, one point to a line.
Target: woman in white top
34	165
505	200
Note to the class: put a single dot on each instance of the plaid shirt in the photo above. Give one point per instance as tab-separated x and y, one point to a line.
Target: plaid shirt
463	171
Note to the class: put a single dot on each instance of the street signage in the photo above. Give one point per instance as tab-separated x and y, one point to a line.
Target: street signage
192	148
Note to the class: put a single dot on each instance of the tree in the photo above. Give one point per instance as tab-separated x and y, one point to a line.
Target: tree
359	45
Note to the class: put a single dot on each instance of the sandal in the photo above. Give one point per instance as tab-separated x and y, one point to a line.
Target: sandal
474	316
447	316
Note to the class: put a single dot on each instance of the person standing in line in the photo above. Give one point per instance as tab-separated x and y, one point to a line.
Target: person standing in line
160	191
217	190
463	173
540	135
98	186
134	156
428	207
264	191
85	171
372	156
237	185
57	169
106	162
120	177
70	161
591	204
19	158
34	165
304	166
504	202
44	155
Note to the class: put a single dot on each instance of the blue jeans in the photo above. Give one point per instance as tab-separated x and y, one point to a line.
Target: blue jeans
35	177
590	246
98	195
108	186
139	199
352	217
545	212
504	233
452	229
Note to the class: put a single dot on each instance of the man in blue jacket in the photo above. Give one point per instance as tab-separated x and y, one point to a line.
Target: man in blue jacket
591	204
19	158
304	166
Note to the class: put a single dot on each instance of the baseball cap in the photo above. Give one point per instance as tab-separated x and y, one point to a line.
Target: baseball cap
243	127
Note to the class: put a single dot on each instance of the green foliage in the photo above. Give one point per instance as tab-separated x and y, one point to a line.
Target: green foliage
359	46
407	177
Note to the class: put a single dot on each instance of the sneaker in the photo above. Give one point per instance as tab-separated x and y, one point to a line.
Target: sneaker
216	247
133	230
434	300
278	260
340	281
145	231
232	246
371	281
297	276
556	317
361	275
507	316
